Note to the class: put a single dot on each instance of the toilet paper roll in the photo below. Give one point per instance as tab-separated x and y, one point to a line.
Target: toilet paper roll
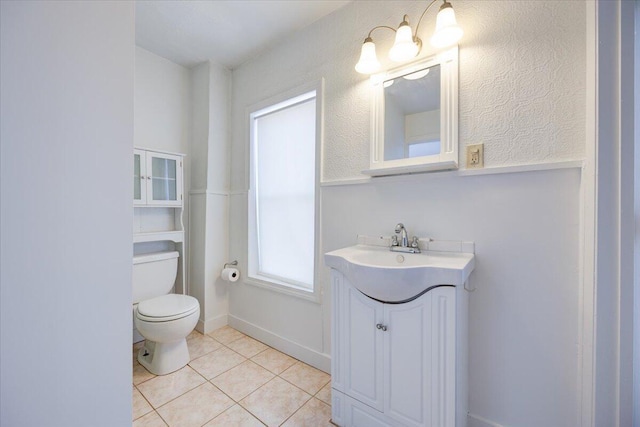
230	274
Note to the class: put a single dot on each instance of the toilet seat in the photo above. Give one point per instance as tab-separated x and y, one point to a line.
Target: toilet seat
166	308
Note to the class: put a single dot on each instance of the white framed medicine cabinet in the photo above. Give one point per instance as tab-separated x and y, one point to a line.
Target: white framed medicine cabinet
414	117
158	203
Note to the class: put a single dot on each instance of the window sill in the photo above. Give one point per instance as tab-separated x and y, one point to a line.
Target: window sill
266	283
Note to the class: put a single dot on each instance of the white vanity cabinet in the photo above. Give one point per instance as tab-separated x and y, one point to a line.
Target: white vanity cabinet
157	178
395	364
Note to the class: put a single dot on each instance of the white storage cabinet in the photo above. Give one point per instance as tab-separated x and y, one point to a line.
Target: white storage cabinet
396	364
157	178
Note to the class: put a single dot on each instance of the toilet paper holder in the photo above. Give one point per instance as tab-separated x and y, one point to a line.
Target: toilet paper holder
234	262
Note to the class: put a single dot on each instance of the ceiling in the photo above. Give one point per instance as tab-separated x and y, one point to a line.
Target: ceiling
228	32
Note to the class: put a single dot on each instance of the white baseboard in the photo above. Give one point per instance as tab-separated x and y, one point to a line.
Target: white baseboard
476	421
311	357
212	324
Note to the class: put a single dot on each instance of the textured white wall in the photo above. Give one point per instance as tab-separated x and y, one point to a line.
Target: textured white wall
66	90
522	94
521	80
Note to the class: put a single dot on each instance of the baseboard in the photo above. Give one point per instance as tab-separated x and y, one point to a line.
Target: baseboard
476	421
305	354
212	324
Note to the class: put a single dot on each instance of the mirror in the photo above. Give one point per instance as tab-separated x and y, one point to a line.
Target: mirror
414	117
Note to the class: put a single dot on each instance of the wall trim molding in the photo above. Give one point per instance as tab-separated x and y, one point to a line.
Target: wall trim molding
586	292
476	421
212	324
569	164
208	193
311	357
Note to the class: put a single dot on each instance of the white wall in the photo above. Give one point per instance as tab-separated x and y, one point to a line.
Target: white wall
209	197
162	104
522	86
66	87
162	119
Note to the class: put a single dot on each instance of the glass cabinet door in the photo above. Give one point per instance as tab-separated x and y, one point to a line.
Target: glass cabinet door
163	180
139	176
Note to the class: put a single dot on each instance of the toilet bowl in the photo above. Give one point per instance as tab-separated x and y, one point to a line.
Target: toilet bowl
165	322
164	319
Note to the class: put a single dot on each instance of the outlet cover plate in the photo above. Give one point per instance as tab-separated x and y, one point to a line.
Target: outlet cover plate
475	156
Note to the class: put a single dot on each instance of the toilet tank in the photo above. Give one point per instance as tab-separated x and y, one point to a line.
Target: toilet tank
154	274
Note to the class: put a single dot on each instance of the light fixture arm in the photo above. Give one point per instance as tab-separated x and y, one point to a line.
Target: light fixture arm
424	13
380	26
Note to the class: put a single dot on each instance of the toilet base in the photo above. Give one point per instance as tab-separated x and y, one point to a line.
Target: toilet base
164	358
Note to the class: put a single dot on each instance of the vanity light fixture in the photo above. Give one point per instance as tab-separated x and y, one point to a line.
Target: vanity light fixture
407	44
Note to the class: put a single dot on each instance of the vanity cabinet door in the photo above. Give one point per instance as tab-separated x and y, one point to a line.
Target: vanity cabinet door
408	366
363	348
419	351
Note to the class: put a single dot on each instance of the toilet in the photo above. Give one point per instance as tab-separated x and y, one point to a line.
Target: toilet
162	318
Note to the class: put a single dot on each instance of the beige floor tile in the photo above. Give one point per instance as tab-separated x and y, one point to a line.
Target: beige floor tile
199	344
152	419
162	389
238	382
236	416
247	346
306	377
325	394
226	334
215	363
314	413
140	374
273	360
195	407
140	404
275	401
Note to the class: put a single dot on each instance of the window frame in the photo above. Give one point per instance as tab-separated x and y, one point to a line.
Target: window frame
284	100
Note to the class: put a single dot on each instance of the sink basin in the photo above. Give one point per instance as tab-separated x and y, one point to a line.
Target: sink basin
397	277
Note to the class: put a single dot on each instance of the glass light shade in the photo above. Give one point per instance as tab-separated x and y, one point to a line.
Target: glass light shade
404	47
368	63
447	30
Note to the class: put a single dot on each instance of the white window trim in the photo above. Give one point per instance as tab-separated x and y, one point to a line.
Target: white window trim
295	95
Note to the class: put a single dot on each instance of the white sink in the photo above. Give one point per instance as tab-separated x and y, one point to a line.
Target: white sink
396	277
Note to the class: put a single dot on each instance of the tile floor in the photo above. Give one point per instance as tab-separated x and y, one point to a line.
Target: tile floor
232	380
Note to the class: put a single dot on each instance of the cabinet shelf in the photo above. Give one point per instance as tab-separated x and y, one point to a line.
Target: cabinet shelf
156	236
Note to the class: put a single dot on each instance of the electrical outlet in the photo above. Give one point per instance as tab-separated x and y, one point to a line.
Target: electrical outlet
475	156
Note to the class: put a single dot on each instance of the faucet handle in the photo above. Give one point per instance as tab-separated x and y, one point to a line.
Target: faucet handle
394	240
414	242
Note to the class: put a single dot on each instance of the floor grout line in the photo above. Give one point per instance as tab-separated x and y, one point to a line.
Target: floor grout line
223	345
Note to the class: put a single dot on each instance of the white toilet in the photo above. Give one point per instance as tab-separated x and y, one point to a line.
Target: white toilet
162	318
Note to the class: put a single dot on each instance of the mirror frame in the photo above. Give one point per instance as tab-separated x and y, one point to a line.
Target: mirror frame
448	155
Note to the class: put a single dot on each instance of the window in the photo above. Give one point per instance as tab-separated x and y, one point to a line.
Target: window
283	199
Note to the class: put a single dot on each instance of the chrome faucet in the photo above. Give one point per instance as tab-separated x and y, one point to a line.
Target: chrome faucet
403	245
404	240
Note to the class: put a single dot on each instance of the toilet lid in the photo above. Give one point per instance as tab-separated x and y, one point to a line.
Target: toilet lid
167	307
